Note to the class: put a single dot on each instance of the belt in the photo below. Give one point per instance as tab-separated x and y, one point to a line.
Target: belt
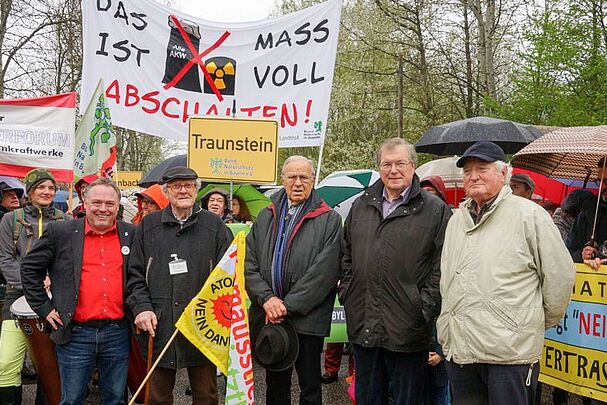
103	323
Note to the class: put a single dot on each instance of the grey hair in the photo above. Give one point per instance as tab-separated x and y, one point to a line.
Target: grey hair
293	158
102	181
499	165
392	143
165	186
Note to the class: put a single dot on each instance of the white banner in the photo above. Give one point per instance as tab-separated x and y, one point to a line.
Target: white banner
161	66
38	132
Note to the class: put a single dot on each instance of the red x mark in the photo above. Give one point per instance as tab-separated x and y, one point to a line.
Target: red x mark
197	59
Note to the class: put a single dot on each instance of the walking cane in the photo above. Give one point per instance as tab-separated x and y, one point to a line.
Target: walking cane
146	397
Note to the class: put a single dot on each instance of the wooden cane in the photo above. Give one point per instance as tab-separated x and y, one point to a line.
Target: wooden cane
147	377
146	397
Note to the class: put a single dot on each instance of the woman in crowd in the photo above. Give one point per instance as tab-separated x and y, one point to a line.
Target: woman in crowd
149	200
19	230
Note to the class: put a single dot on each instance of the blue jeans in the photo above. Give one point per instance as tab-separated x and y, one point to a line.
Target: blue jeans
107	349
378	368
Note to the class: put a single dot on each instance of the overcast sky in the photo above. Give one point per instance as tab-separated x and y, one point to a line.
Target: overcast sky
226	10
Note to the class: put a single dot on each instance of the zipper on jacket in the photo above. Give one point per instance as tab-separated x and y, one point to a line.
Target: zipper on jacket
528	381
39	223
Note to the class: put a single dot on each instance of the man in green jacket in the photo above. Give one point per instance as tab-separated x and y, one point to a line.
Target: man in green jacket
506	276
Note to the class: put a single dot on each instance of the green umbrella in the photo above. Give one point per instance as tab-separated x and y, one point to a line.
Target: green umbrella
254	200
340	189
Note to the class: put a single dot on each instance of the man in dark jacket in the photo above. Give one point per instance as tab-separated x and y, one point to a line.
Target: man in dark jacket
291	270
390	278
174	252
86	260
579	243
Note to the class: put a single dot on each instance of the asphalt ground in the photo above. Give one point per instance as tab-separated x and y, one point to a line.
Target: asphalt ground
333	394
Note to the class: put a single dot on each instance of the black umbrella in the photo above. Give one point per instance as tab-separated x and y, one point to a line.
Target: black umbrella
154	176
455	137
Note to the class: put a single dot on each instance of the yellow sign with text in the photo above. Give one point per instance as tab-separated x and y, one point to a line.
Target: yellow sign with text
126	180
575	354
242	150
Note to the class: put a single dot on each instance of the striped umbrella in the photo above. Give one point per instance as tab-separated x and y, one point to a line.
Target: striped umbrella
566	153
340	189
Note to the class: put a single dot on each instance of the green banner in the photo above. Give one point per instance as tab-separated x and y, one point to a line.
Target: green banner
338	325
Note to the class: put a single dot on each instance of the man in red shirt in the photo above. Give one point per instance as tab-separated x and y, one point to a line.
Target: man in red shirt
86	260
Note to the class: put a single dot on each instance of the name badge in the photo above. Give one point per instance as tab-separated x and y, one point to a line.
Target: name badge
177	266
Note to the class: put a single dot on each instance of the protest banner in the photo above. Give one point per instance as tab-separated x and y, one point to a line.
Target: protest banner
242	150
575	353
216	321
161	66
126	180
38	132
339	332
95	138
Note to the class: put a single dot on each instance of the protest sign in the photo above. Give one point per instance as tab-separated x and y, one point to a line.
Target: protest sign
126	180
38	132
233	149
575	353
339	333
161	66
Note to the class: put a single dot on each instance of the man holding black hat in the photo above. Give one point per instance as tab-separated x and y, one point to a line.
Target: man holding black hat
174	251
506	277
291	270
522	185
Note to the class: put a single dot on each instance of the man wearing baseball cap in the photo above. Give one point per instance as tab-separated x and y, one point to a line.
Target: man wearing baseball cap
506	276
174	251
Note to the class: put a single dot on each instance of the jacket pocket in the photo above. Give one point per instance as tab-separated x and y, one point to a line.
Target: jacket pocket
507	315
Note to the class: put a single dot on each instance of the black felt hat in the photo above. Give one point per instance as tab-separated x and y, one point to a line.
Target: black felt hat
275	346
179	172
483	150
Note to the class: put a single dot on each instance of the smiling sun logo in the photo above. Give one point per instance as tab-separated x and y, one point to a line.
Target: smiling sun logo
222	309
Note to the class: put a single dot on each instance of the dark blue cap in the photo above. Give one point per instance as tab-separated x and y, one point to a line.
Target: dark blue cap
483	150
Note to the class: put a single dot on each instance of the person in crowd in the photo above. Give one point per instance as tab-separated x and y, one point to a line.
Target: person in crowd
565	216
80	187
333	354
19	230
506	277
149	200
291	271
436	186
581	245
437	381
522	185
87	311
390	278
158	291
240	211
10	198
216	201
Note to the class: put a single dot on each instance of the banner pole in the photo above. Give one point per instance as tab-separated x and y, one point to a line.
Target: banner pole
149	374
70	198
322	149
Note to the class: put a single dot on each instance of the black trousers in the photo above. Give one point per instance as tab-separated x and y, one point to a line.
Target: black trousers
307	365
383	374
493	384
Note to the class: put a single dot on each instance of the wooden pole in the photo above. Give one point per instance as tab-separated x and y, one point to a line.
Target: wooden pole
70	197
146	397
149	374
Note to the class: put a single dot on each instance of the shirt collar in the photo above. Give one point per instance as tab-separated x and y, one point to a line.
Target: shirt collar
89	231
401	197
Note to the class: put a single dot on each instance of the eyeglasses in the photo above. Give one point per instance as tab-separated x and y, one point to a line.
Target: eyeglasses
177	187
304	178
387	166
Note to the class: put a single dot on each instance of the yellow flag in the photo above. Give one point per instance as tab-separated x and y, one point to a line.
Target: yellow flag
207	320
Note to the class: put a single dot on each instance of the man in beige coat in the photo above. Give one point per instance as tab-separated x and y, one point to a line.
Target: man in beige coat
506	277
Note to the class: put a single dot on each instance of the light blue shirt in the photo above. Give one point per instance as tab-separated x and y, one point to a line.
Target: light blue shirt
389	206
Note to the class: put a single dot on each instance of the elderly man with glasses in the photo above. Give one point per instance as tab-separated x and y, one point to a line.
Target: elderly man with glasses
174	251
390	278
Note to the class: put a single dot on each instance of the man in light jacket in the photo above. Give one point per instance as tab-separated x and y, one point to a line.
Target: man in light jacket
506	277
